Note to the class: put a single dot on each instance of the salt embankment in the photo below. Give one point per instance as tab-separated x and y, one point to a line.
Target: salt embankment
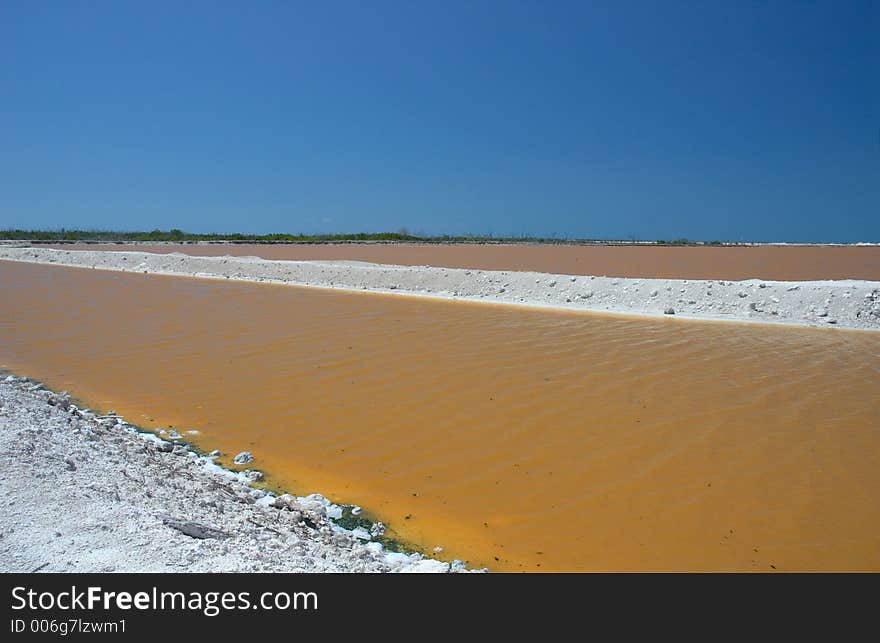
853	304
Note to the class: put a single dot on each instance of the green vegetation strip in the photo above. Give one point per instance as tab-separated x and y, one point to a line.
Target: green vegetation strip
179	236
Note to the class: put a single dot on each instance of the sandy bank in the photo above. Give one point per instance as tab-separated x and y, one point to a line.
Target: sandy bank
82	493
831	304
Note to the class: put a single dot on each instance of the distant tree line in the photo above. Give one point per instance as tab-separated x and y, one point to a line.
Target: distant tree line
176	235
179	236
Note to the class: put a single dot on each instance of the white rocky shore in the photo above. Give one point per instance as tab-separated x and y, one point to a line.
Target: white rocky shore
852	304
84	493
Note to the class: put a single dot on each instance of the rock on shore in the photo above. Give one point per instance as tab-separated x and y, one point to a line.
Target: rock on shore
87	493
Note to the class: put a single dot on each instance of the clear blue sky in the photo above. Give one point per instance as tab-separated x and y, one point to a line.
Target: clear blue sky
708	120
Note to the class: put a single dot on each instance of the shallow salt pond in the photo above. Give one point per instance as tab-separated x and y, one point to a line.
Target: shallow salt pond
520	440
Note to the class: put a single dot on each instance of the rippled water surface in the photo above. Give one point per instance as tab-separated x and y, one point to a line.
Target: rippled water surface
516	439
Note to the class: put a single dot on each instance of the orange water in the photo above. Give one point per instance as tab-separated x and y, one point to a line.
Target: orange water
515	439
